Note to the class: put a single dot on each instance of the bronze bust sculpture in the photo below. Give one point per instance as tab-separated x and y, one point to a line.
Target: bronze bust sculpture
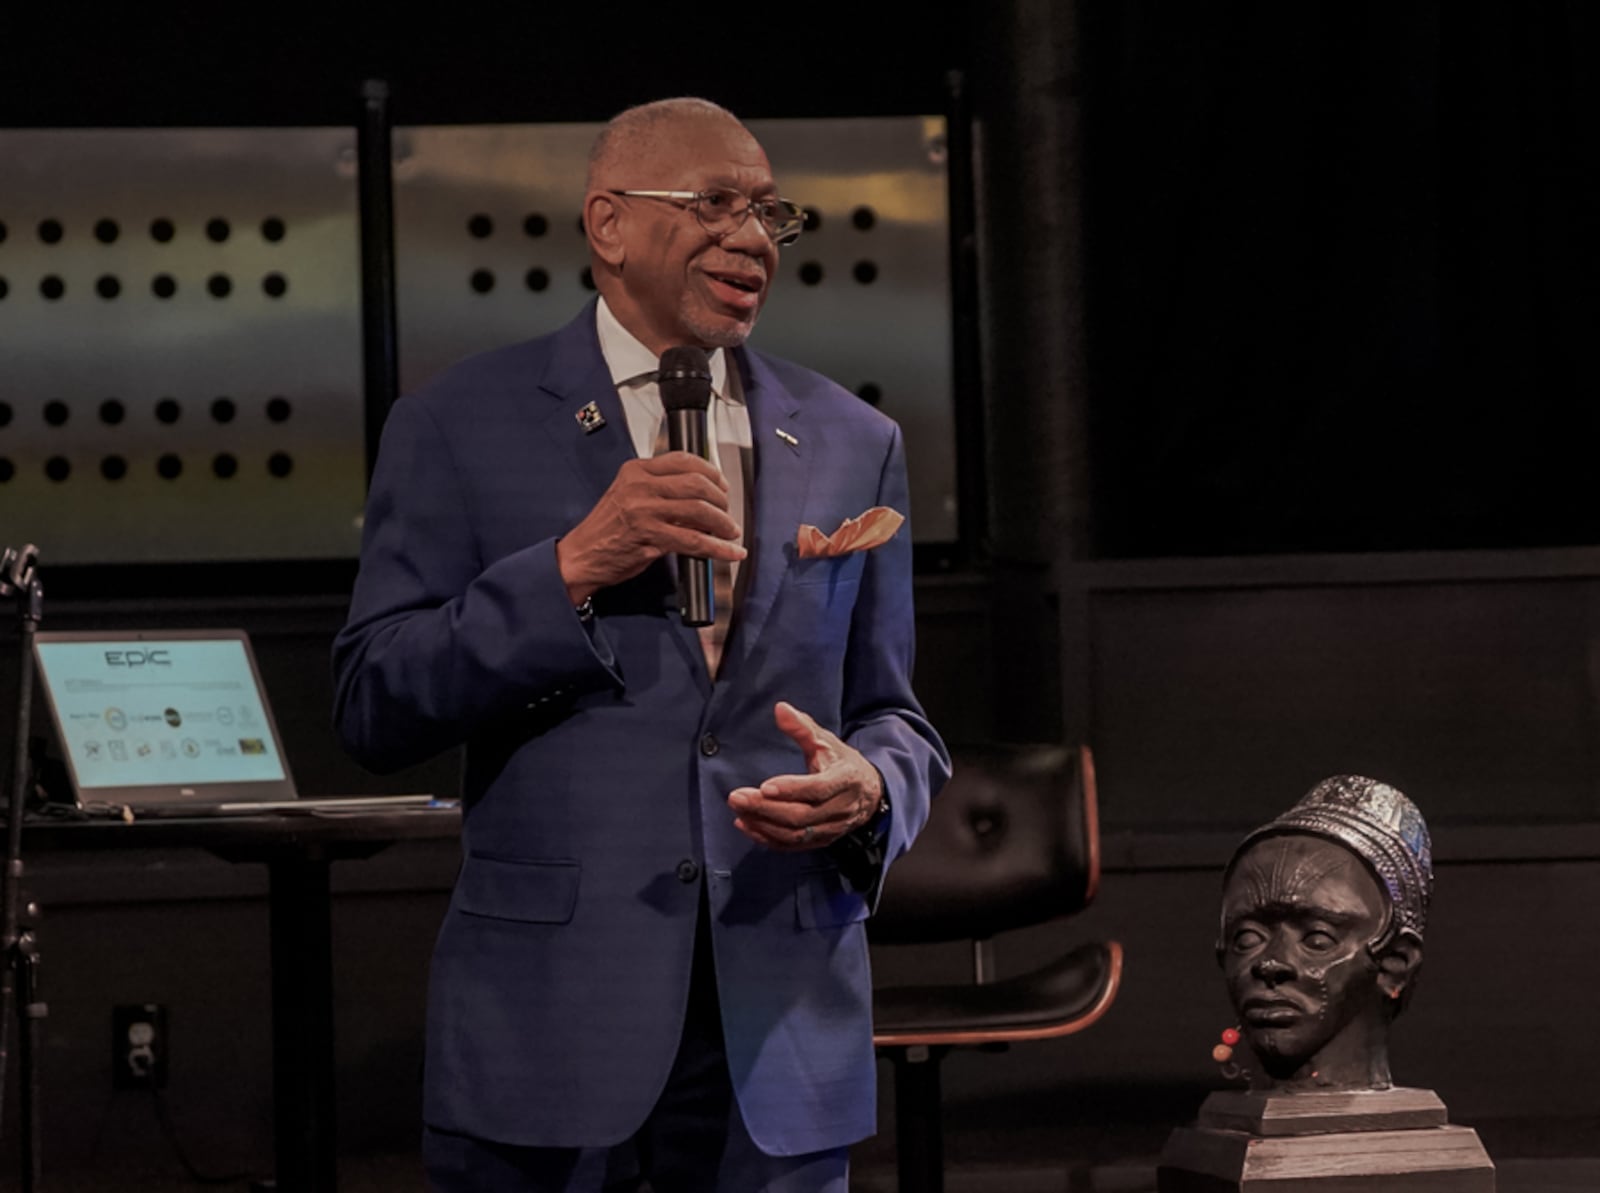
1323	912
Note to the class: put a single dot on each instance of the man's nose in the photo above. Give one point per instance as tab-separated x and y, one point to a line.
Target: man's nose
1272	969
751	236
1272	966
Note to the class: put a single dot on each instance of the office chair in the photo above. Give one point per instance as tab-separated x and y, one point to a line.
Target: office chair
1012	841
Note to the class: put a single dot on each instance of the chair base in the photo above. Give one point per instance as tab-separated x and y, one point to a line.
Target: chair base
918	1117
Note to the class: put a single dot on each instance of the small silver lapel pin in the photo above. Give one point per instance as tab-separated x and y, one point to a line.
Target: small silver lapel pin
787	438
590	418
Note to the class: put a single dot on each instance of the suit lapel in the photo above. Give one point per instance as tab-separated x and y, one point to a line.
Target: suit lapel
575	377
782	475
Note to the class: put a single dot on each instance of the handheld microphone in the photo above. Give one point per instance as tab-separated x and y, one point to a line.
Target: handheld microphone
685	379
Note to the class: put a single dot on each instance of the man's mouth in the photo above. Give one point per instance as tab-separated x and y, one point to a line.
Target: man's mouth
748	283
1270	1012
740	291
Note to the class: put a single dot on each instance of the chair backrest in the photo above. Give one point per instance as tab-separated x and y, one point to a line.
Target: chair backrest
1013	840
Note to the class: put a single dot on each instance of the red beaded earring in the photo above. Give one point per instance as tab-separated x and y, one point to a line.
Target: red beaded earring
1223	1054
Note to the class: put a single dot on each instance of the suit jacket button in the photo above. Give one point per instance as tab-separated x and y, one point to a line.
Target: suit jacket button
687	871
709	745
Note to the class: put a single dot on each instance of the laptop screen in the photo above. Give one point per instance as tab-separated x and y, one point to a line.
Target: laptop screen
162	717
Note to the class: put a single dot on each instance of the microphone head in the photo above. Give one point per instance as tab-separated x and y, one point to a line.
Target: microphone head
685	378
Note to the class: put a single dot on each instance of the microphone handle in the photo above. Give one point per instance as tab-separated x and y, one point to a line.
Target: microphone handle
686	432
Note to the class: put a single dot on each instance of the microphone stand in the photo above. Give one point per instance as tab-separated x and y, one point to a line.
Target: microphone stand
19	579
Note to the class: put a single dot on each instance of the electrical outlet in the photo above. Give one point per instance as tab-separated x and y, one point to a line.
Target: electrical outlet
139	1046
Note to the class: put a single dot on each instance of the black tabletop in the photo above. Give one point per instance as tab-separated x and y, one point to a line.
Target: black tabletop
313	832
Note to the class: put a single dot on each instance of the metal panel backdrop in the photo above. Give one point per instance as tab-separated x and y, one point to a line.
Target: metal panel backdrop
180	321
490	251
180	337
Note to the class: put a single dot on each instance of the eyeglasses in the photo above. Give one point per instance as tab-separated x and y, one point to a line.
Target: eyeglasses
723	212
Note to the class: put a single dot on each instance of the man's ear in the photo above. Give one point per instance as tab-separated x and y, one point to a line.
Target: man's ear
602	223
1398	964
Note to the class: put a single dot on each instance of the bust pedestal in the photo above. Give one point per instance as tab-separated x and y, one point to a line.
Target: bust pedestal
1375	1141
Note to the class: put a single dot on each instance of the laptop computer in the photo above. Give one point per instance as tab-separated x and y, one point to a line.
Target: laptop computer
172	722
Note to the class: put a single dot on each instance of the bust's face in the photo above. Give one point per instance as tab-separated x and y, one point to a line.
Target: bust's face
1297	914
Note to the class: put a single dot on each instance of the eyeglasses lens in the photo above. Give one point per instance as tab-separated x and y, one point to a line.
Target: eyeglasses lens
723	212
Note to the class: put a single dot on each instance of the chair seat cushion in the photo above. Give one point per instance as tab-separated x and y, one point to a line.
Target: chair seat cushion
1059	999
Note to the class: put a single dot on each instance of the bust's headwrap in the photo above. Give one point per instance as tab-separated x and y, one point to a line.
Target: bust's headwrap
1380	826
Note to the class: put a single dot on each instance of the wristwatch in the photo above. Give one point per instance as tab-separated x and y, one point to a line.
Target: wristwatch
879	820
859	854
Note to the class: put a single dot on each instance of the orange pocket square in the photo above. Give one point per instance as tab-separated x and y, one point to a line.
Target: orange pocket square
872	529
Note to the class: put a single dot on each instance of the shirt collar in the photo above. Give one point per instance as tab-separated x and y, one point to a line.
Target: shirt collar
631	363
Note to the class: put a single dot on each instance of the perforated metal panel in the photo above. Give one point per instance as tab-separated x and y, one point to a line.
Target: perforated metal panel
490	252
180	357
180	354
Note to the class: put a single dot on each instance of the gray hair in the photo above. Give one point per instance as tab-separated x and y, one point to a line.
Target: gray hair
627	131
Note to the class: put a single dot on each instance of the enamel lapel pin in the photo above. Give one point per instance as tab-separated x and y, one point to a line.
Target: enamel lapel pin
590	418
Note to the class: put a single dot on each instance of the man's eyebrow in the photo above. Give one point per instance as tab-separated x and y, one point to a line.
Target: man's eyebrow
726	182
1333	915
1281	909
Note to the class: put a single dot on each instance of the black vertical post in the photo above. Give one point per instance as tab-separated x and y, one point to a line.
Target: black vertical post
30	1119
379	317
966	366
1026	106
302	1026
918	1118
19	955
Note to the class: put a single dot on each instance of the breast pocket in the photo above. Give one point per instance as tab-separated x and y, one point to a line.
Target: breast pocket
839	571
527	890
815	607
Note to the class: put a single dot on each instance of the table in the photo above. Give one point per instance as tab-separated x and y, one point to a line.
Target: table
298	848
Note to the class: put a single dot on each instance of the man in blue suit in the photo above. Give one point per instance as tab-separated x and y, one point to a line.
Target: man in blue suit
654	964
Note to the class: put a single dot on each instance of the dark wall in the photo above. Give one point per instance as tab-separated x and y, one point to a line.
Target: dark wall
1216	695
1341	275
170	65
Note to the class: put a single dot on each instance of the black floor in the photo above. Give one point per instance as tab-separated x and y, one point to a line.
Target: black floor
399	1174
1531	1156
1105	1155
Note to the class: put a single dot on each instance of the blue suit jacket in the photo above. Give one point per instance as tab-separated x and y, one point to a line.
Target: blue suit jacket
600	756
